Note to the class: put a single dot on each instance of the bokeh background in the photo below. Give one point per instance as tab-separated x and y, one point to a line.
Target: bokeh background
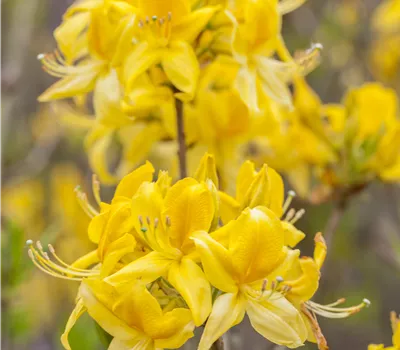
43	161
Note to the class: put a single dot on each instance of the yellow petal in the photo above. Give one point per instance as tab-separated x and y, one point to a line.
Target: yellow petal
190	208
69	37
97	309
140	309
246	175
273	326
229	208
97	226
274	76
86	261
292	235
277	191
107	97
137	141
97	147
115	251
72	85
141	344
181	67
76	313
161	8
228	310
320	250
189	280
138	61
217	263
256	243
147	269
246	85
190	27
305	286
207	170
130	183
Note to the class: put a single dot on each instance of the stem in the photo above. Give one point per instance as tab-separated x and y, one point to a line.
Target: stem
181	138
334	221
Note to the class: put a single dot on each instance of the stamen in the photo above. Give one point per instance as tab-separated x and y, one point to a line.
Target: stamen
168	221
290	214
297	216
140	220
42	261
308	59
156	222
84	203
53	253
96	189
330	311
264	286
55	65
288	201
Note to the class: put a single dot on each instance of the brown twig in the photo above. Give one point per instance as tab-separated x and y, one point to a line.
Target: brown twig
181	138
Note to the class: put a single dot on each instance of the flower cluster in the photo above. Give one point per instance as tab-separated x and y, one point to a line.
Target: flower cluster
132	61
171	257
348	144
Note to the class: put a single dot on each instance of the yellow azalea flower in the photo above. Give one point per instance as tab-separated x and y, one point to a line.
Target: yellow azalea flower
165	224
165	32
255	39
135	319
265	188
396	335
255	248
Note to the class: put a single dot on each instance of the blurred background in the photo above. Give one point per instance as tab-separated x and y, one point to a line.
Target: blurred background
43	161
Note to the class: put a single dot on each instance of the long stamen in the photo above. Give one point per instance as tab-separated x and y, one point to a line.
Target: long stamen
288	201
96	189
336	312
84	203
55	65
290	214
41	260
297	216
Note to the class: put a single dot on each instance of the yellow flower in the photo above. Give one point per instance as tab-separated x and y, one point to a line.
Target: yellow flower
265	188
396	335
255	39
165	32
256	247
165	224
135	319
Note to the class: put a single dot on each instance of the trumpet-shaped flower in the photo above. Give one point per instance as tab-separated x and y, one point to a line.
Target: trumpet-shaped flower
165	225
135	319
164	36
255	249
262	188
